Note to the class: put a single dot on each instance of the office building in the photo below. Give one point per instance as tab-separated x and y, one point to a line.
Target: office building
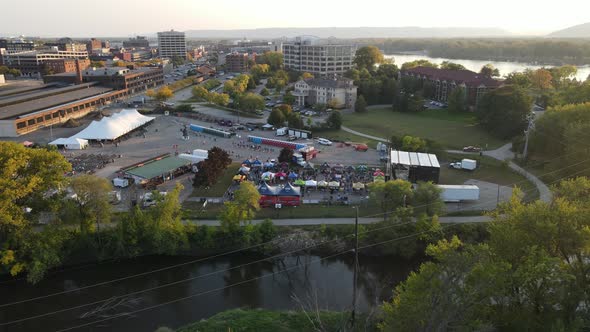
339	91
139	42
236	62
310	55
94	46
16	45
171	43
32	63
58	66
132	56
68	45
446	80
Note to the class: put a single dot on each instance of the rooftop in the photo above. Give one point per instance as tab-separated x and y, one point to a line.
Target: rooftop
339	82
28	102
463	76
152	169
414	159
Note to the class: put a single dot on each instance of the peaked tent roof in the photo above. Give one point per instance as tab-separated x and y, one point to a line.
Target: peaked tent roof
265	190
289	190
115	126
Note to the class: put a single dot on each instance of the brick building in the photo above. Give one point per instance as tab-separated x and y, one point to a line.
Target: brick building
446	80
236	62
58	66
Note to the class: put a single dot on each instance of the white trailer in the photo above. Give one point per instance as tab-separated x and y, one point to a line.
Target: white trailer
191	157
282	131
201	153
459	193
121	183
468	164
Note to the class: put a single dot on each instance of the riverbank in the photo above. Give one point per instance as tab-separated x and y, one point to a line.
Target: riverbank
287	321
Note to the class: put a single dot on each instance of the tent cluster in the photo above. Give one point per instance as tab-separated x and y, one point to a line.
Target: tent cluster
287	195
115	126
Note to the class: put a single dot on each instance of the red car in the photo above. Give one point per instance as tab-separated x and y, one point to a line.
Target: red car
361	147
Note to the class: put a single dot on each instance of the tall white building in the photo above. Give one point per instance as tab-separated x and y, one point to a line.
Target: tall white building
307	54
171	43
339	91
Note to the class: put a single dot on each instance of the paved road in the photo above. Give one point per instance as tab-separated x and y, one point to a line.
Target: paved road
502	153
346	221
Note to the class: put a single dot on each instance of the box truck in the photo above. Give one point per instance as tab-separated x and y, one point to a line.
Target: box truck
459	193
467	164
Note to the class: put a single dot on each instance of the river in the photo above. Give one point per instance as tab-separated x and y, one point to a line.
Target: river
504	67
328	281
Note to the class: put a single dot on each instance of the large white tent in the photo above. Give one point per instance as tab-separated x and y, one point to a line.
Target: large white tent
115	126
71	143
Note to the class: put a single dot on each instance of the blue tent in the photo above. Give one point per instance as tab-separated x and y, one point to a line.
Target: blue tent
265	190
293	175
247	162
257	163
289	190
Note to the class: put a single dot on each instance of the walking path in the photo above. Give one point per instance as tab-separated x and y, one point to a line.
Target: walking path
345	221
502	153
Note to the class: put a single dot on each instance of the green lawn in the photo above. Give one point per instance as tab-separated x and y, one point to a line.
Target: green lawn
193	210
341	135
489	170
450	130
218	189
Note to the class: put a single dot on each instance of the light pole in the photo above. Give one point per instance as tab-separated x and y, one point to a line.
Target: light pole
356	264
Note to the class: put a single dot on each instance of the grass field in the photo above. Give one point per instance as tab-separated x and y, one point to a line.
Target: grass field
489	170
218	189
450	130
193	210
341	135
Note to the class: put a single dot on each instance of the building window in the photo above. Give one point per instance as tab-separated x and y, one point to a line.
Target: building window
31	122
21	125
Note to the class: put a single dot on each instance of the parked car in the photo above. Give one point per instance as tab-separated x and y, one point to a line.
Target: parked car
361	147
471	149
324	141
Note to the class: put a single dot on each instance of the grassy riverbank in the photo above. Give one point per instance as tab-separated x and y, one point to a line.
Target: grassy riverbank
285	321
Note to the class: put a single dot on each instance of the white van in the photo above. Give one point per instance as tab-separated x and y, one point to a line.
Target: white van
324	141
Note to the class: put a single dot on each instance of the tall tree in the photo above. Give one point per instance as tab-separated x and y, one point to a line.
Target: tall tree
92	198
418	63
242	208
390	195
367	57
360	105
489	71
276	118
457	101
503	112
452	66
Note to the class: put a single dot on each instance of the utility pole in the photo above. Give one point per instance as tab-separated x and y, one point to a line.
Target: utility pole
529	128
356	264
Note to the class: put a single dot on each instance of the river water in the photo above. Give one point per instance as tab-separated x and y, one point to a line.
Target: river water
327	283
475	65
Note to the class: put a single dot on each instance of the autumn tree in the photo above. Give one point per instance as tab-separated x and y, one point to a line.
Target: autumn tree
540	79
367	57
242	208
200	92
162	94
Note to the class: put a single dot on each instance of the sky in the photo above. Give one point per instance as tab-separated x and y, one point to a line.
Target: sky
116	18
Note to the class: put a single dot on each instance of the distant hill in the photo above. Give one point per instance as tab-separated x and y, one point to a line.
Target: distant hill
577	31
359	32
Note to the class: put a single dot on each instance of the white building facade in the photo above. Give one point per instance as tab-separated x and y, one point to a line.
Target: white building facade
171	43
307	55
341	92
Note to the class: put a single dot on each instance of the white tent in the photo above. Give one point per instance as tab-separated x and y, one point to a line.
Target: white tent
115	126
191	157
71	143
311	183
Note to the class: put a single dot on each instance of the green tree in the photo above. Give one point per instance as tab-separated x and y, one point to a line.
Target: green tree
92	199
273	59
489	71
264	92
177	61
503	112
516	78
285	109
334	121
367	57
167	234
251	83
276	118
97	64
250	102
451	66
221	99
242	208
413	144
360	104
294	121
289	98
426	199
390	195
457	102
418	63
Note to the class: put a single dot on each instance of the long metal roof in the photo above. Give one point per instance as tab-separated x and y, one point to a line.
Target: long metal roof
414	159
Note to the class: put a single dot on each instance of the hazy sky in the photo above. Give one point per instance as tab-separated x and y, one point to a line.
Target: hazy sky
77	18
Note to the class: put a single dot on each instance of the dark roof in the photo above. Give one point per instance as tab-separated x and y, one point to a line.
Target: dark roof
460	76
339	82
28	105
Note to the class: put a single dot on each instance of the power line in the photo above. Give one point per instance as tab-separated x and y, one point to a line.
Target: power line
208	274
